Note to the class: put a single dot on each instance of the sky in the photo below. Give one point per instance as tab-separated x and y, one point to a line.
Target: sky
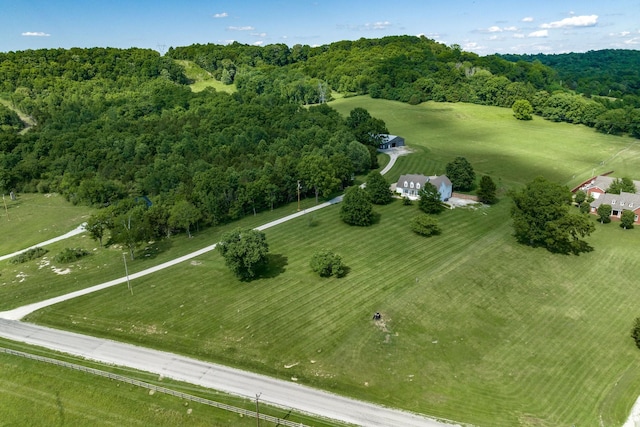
481	26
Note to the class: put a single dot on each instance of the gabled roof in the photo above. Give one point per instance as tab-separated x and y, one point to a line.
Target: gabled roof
622	201
604	182
439	180
409	178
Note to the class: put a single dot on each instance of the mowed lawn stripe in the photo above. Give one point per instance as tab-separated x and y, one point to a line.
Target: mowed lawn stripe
475	327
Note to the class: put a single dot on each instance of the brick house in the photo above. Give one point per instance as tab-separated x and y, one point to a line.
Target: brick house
597	188
619	202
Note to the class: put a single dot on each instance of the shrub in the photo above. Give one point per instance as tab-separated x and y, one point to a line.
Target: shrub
70	255
28	255
425	225
326	263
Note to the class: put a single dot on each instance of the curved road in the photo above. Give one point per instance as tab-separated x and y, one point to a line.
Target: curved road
273	391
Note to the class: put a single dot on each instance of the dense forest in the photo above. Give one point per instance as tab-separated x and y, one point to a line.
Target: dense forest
609	72
121	128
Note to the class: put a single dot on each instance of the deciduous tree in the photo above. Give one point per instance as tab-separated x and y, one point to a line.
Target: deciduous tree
541	217
622	184
378	188
487	190
430	199
425	225
183	215
604	213
244	252
626	219
327	263
461	174
356	207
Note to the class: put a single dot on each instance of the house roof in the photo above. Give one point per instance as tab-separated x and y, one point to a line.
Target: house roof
422	179
622	201
604	182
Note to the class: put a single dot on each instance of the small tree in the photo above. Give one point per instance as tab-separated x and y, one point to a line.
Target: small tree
183	215
487	190
461	174
620	185
604	213
356	207
327	263
627	219
585	207
244	251
97	225
522	109
430	199
378	189
425	225
580	197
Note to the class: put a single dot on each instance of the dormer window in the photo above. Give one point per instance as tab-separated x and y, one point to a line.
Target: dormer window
631	204
418	186
406	184
411	184
621	203
613	202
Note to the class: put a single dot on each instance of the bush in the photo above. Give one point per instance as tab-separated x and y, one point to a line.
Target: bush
28	255
70	255
327	263
425	225
635	331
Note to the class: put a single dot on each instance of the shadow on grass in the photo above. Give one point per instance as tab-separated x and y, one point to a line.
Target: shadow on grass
276	265
151	251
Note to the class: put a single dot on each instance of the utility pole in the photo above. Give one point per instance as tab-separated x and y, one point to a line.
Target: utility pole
257	409
298	195
126	270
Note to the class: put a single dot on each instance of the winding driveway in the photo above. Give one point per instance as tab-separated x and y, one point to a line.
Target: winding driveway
274	391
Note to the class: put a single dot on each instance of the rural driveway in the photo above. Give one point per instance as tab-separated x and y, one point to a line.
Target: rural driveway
272	391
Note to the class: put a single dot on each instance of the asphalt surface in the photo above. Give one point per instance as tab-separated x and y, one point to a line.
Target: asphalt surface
285	394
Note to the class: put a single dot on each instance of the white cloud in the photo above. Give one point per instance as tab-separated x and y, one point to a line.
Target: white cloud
245	28
574	21
221	15
380	25
519	36
527	19
258	43
494	29
632	42
35	34
510	28
539	33
259	34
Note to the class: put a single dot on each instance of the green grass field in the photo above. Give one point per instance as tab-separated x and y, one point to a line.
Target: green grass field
475	327
34	218
202	79
36	393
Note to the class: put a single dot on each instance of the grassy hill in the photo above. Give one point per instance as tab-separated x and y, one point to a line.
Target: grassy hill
475	327
202	79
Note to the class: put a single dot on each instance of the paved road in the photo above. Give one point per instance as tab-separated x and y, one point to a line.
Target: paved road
276	392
